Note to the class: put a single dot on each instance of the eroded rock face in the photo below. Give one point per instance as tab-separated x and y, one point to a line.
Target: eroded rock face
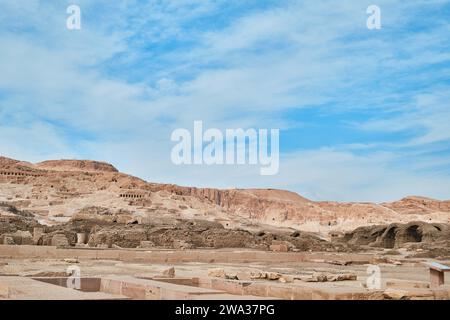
415	204
169	273
77	165
101	215
16	224
19	237
198	234
58	190
124	237
103	229
397	235
217	273
323	277
59	240
4	161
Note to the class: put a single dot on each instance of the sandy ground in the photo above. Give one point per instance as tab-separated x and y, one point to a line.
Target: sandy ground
411	271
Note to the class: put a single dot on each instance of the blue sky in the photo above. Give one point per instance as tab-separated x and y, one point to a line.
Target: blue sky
363	114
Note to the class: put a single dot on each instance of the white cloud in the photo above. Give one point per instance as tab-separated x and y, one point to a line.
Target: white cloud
428	115
60	98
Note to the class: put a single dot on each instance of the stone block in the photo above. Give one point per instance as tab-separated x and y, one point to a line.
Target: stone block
59	240
299	293
282	292
256	289
7	240
134	291
168	294
147	244
152	293
127	255
111	286
4	291
441	294
401	284
38	232
317	294
217	273
229	286
279	248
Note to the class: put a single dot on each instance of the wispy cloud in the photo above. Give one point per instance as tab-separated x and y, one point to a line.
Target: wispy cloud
363	114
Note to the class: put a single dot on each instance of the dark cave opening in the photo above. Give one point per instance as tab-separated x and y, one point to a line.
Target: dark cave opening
413	234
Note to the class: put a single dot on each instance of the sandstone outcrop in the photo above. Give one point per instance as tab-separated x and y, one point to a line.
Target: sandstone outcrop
323	277
76	165
58	191
162	233
184	235
396	235
415	204
19	237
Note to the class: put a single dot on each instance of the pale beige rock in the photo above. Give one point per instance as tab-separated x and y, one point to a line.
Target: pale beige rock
342	277
257	274
395	294
59	240
169	273
399	284
147	244
317	277
4	291
19	237
279	247
221	273
325	277
71	260
273	275
38	232
243	276
8	240
410	294
231	276
286	279
181	244
57	190
217	272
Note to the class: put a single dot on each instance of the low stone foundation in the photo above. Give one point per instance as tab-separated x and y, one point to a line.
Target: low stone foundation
167	256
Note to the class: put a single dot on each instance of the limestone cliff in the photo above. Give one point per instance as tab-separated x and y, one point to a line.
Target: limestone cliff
55	191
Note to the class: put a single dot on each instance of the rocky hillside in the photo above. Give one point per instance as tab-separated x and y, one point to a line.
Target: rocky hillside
429	240
56	191
76	165
416	204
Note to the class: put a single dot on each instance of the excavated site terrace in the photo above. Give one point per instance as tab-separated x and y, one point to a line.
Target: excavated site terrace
80	229
41	272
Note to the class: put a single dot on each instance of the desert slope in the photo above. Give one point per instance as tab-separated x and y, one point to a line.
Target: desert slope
55	191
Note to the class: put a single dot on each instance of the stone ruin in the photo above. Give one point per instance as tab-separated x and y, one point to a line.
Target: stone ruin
397	235
100	227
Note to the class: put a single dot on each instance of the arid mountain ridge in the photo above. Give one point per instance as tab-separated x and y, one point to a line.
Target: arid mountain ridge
56	191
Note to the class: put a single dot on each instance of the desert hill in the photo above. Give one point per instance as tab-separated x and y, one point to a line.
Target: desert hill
57	191
76	165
